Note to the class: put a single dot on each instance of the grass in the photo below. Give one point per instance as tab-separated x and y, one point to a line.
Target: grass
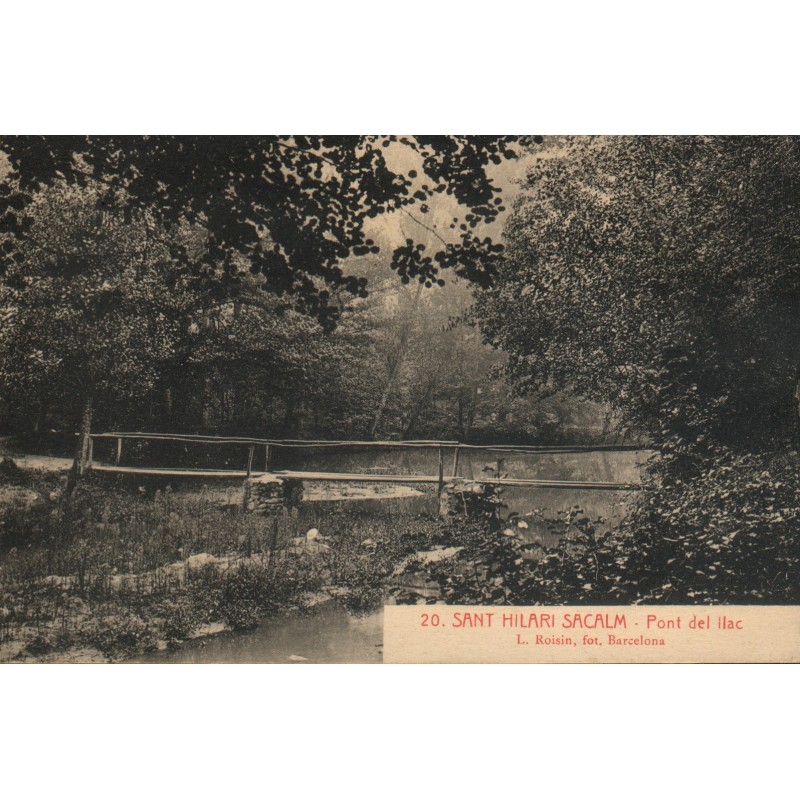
110	573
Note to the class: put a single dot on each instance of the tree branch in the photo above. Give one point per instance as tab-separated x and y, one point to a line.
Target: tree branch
427	228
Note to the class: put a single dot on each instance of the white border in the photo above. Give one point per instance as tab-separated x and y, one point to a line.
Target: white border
620	66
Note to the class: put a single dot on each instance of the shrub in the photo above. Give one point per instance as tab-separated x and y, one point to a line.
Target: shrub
726	531
721	527
121	634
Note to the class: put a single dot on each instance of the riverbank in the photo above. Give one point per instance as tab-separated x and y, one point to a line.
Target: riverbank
108	574
120	569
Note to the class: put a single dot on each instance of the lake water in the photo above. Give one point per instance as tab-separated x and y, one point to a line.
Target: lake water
330	634
610	505
327	635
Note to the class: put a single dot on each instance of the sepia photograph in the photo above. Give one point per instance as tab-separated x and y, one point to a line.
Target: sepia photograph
462	463
257	393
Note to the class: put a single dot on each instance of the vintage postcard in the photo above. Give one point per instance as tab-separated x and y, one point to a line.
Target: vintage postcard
401	399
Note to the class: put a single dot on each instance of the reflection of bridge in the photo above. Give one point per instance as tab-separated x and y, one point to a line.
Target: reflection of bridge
267	446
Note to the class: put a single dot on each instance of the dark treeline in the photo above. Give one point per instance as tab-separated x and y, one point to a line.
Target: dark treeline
402	363
140	301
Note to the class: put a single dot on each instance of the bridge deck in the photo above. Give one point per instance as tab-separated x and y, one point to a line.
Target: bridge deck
346	477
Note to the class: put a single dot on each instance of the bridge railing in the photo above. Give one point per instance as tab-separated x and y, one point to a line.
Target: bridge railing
270	444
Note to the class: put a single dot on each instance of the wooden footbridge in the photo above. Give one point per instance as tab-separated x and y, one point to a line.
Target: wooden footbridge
257	460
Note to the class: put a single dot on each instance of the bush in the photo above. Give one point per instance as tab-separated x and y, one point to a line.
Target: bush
50	641
721	527
179	617
121	634
725	531
247	594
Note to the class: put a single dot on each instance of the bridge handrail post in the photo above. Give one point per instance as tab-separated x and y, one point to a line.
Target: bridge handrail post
250	453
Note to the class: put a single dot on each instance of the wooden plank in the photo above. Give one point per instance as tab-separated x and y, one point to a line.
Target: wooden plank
434	479
362	478
118	455
455	462
559	448
181	473
199	439
441	473
190	438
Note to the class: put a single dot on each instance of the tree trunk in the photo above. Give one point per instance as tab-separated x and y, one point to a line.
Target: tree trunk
84	445
290	415
168	403
394	366
417	410
206	412
38	417
387	390
471	411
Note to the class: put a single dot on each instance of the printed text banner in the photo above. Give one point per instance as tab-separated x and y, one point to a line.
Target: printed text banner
432	634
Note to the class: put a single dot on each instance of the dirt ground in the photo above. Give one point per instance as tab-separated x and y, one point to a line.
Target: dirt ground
27	461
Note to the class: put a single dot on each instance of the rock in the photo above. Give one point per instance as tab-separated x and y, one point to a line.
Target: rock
210	629
312	534
200	560
297	658
438	554
17	496
269	493
266	479
300	545
427	557
9	469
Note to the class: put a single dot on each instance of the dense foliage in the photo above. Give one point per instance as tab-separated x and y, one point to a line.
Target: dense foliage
726	536
221	285
92	305
661	275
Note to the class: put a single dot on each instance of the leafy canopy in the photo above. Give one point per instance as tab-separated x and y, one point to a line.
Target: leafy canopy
290	208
